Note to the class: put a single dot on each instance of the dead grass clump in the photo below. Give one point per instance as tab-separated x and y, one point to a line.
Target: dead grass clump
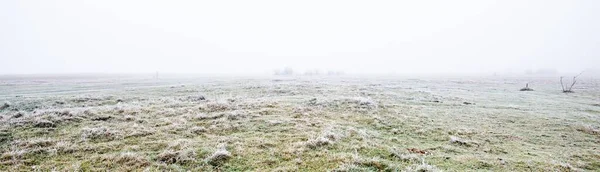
359	103
365	102
198	130
5	105
84	99
41	123
373	163
102	118
588	129
178	152
129	159
13	156
422	168
36	143
461	142
560	166
326	138
203	116
351	167
196	98
304	111
217	106
138	130
5	136
235	115
367	164
89	112
318	142
63	147
99	134
180	156
18	114
406	157
129	118
219	157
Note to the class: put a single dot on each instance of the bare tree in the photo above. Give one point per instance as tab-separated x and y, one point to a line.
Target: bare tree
567	88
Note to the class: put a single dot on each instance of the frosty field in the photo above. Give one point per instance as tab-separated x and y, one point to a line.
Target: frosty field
344	123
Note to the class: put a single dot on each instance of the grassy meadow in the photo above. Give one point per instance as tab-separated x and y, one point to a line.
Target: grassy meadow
298	124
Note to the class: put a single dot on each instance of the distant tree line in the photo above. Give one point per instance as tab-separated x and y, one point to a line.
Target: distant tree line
313	72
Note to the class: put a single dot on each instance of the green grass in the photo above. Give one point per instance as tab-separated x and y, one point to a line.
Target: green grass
301	124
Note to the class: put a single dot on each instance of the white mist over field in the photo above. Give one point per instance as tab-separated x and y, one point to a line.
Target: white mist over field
256	37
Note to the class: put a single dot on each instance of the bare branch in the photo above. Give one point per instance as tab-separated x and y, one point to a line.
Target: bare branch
578	74
569	89
561	83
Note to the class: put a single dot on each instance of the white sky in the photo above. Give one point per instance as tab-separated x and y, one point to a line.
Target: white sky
127	36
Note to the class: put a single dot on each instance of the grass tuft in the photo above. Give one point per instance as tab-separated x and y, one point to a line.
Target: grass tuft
219	157
99	134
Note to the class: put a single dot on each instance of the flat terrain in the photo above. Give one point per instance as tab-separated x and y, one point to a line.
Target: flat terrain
345	123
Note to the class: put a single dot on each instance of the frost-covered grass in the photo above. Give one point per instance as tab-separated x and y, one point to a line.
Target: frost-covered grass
298	124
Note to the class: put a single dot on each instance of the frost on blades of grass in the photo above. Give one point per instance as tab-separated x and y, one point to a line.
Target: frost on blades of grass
99	134
298	124
219	157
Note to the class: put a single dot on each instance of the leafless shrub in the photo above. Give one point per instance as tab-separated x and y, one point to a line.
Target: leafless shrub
567	88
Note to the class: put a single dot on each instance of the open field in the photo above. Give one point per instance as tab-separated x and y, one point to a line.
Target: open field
298	124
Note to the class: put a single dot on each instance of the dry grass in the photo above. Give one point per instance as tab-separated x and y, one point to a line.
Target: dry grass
99	134
219	157
299	124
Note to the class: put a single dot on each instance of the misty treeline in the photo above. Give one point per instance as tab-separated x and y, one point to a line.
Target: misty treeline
288	71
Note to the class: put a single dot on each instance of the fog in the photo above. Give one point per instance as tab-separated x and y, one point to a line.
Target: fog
257	37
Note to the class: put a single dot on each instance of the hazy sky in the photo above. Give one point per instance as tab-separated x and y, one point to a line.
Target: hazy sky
130	36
